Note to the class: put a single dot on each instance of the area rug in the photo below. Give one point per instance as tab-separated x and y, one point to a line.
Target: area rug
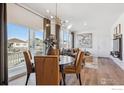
93	65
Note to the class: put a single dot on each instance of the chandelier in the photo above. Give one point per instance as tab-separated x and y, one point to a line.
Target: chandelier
57	19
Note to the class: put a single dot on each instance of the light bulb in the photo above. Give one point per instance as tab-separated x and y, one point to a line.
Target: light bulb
69	26
51	17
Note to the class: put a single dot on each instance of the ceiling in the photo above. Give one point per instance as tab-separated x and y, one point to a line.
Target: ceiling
95	16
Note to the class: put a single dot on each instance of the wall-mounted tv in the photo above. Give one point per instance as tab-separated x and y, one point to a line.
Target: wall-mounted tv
117	47
116	44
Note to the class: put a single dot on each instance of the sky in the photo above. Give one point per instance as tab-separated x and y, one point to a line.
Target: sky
20	32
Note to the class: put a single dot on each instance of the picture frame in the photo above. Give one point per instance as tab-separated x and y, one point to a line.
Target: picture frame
85	40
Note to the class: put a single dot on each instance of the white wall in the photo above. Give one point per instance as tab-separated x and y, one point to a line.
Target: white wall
103	41
100	42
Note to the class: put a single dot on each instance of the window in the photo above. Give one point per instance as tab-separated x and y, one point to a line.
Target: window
65	39
16	35
21	32
36	44
21	38
39	42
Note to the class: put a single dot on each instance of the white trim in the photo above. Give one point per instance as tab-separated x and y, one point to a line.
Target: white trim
118	62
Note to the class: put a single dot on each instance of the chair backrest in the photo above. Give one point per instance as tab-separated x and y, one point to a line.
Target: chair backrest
76	58
30	54
28	61
55	52
78	61
75	50
47	70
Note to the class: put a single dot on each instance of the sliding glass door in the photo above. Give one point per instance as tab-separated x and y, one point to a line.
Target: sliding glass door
21	38
17	43
36	44
39	45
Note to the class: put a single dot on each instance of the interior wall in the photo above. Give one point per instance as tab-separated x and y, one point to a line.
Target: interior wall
100	42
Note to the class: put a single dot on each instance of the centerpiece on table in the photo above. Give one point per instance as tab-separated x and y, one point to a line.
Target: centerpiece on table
50	43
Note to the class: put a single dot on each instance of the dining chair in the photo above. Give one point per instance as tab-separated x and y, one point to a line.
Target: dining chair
54	52
29	65
75	68
47	70
30	54
57	52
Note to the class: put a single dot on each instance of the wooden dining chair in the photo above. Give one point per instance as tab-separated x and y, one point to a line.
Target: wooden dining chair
47	70
54	52
57	52
30	54
75	68
29	65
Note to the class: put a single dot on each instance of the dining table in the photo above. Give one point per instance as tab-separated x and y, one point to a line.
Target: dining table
64	61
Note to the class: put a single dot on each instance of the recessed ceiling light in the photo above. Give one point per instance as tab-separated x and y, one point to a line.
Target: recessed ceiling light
48	11
51	17
69	26
66	21
85	24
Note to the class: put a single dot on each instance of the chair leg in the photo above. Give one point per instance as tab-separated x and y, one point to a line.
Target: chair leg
28	75
77	76
63	76
80	79
60	83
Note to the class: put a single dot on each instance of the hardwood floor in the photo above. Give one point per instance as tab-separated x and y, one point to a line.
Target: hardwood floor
106	73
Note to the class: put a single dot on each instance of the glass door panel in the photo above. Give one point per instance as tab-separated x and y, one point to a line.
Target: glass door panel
17	43
39	45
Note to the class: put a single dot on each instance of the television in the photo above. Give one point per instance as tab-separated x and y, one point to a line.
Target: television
117	47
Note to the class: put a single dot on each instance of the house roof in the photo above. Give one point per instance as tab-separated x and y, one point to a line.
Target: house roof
15	40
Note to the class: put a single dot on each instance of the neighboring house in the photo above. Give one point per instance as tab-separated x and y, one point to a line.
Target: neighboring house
17	43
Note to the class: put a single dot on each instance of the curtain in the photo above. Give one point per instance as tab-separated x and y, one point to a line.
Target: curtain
72	33
47	27
3	45
57	33
47	30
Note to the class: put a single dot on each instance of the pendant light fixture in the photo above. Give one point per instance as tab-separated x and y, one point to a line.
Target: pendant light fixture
57	19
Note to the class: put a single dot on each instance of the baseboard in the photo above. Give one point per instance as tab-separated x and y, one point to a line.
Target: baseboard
16	76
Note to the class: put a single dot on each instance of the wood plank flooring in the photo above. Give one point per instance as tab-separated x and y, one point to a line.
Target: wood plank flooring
107	73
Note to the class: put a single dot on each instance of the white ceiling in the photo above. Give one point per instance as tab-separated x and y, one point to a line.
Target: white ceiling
97	16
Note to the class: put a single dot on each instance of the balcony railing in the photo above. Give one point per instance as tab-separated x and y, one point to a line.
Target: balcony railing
15	58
